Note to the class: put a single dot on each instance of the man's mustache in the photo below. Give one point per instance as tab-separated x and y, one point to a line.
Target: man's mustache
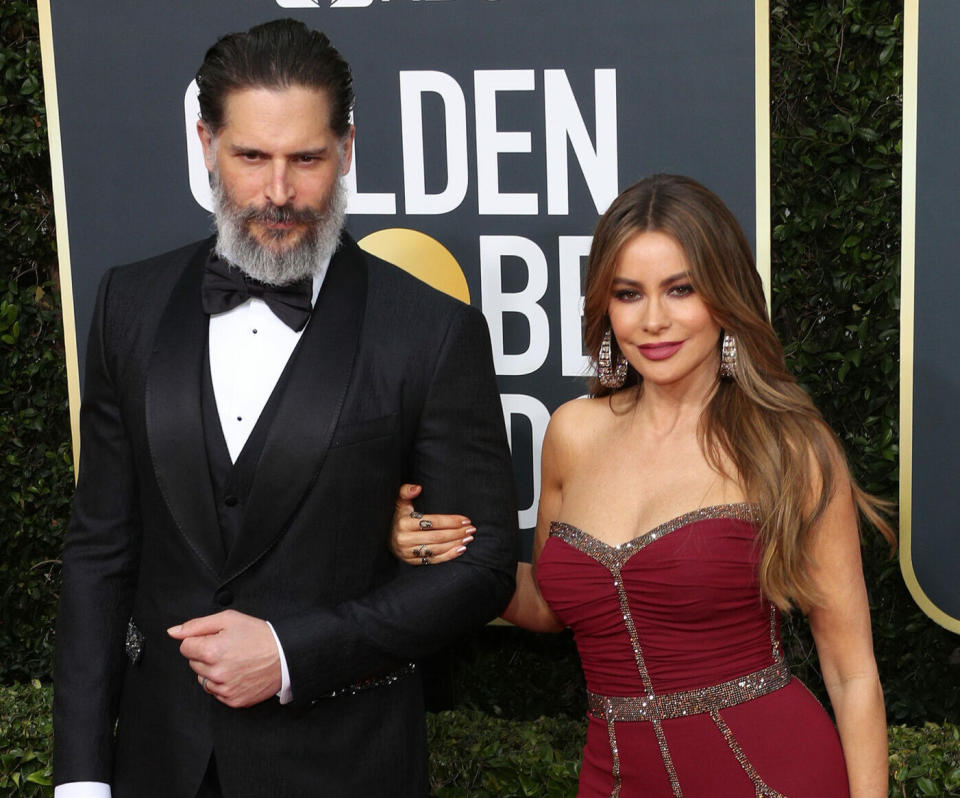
281	214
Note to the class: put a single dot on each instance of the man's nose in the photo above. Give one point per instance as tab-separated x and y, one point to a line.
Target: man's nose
279	189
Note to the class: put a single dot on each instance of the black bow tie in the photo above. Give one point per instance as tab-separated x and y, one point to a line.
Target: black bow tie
225	287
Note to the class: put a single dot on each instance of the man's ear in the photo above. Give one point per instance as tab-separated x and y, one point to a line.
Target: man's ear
206	141
347	151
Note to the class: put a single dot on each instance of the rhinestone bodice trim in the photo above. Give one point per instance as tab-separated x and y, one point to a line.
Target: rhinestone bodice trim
690	702
615	556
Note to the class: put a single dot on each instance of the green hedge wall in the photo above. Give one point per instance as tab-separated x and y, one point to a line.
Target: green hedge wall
36	474
836	115
474	754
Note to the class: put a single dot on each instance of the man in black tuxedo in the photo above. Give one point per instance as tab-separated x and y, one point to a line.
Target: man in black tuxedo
232	622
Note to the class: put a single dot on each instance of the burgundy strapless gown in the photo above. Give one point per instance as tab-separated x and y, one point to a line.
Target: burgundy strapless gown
688	691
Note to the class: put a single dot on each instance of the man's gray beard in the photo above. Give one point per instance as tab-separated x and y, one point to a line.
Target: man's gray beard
237	245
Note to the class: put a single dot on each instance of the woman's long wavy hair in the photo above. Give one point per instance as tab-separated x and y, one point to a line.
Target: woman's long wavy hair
762	421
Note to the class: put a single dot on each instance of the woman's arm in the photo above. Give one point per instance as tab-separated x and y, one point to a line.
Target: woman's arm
432	539
840	623
527	608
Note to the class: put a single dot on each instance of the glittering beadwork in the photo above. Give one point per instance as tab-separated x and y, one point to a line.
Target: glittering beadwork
775	650
615	763
764	790
667	759
133	642
690	702
615	556
372	684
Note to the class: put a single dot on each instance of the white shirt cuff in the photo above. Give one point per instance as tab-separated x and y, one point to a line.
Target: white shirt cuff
286	693
82	789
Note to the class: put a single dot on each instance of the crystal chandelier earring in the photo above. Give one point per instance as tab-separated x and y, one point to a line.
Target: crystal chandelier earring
610	374
728	357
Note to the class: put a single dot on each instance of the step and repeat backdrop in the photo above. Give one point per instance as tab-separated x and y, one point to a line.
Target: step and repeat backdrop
930	374
490	134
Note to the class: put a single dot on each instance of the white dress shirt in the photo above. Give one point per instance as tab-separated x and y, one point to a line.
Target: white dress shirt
249	348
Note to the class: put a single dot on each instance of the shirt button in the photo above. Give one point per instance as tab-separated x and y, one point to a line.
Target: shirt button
231	501
224	597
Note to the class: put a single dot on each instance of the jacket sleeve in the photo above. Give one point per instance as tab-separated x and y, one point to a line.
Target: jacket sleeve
99	567
462	460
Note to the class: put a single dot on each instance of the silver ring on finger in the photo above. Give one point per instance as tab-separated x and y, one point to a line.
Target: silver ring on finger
203	684
418	550
415	514
425	524
425	560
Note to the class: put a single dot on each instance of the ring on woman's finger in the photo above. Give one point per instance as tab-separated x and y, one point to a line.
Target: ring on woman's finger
425	561
418	550
425	524
203	684
415	514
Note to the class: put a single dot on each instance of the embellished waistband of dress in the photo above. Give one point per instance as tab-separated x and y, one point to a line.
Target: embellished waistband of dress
690	702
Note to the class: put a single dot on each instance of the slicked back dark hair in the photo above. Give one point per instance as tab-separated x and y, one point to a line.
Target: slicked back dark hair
275	55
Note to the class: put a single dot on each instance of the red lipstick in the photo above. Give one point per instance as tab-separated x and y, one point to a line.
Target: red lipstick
660	351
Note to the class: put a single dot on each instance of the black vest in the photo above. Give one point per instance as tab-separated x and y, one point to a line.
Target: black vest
232	481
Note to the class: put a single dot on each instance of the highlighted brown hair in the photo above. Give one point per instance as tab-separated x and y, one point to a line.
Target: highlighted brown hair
762	422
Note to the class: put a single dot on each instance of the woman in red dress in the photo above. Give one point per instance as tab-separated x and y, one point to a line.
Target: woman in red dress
693	495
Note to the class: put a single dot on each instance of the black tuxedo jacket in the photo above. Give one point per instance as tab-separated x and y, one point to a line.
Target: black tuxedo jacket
391	381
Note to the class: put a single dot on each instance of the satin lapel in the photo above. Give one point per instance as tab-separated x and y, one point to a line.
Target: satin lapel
308	411
174	420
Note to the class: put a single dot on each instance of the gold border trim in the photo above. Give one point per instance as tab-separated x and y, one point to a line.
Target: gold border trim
762	133
60	215
908	228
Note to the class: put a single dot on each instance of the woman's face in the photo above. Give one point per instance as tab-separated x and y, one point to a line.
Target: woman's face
662	326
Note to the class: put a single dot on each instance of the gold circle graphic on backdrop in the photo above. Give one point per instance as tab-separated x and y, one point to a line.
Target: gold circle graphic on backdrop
420	255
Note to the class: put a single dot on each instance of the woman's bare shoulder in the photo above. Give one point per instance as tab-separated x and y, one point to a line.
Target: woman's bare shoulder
577	411
579	420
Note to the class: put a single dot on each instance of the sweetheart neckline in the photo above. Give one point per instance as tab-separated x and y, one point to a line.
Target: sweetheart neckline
751	507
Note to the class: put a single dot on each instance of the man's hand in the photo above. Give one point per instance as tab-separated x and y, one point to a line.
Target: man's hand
234	656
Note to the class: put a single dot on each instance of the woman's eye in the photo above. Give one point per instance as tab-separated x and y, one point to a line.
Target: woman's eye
681	290
626	294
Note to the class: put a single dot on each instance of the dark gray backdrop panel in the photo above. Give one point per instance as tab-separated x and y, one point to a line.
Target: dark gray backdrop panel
935	543
685	97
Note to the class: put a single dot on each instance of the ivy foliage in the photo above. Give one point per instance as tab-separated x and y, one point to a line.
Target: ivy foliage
36	474
925	761
835	163
26	740
836	119
474	754
477	755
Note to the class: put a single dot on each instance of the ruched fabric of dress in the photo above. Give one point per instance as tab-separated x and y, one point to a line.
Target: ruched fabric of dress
688	691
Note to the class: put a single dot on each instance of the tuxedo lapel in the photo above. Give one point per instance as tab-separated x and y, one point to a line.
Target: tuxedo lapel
308	410
174	417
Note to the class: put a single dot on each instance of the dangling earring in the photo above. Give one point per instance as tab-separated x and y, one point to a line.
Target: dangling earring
728	357
610	375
